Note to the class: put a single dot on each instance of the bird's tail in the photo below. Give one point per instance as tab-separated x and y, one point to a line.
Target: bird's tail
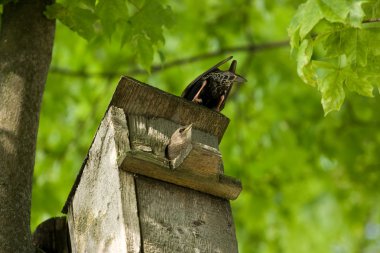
233	66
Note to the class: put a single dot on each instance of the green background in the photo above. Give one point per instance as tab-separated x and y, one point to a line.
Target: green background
310	183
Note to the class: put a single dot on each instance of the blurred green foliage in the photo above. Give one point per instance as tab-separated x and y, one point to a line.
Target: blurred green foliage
310	183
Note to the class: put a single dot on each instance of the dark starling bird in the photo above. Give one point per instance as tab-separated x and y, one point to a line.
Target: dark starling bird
179	145
211	89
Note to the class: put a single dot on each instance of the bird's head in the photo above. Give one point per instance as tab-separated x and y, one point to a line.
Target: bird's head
181	135
232	69
185	131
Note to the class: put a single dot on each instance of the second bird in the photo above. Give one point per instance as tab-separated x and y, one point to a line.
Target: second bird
212	88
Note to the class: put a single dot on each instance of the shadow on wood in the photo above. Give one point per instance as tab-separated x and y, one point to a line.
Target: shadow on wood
52	235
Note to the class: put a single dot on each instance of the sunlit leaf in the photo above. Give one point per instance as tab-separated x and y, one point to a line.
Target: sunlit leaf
346	42
310	14
303	62
356	14
334	11
331	88
359	85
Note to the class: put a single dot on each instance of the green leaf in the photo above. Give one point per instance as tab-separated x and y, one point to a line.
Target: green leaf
145	52
306	18
331	88
89	3
373	40
331	44
334	11
352	42
55	11
110	13
360	49
128	33
310	15
348	45
145	30
294	39
294	30
356	14
358	84
77	19
304	71
151	18
137	3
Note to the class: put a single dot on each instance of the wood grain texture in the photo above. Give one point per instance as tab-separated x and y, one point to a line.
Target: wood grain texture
177	219
113	207
152	135
130	212
201	170
146	106
195	178
96	212
137	98
203	159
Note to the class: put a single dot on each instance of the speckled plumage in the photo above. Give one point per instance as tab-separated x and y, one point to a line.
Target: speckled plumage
212	88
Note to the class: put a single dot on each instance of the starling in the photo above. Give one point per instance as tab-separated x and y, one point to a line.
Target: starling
211	89
179	145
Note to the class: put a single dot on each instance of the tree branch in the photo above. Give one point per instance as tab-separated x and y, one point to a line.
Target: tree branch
371	20
251	48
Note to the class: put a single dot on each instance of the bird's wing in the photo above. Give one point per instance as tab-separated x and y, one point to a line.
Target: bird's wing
195	85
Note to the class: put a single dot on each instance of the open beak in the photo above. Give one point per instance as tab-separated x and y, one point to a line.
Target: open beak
188	127
240	79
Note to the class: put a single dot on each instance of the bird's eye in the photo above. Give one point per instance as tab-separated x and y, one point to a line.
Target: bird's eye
181	130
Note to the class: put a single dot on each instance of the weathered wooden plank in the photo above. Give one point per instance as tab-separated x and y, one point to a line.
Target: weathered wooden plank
151	135
203	159
137	98
192	177
130	212
141	100
118	119
177	219
160	130
110	210
96	211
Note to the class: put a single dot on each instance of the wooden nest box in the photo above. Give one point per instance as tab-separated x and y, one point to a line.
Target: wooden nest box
128	197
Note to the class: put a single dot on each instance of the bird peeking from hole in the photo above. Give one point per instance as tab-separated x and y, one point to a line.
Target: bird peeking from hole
179	146
212	88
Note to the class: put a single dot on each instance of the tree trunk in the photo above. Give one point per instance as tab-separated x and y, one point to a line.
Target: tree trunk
26	41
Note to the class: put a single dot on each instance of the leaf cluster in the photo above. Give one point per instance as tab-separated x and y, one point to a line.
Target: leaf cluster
336	49
136	23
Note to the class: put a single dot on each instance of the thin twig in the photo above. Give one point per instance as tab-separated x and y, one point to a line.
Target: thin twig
371	20
156	68
247	48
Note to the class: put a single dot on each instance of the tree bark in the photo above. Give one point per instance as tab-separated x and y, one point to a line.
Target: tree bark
26	41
